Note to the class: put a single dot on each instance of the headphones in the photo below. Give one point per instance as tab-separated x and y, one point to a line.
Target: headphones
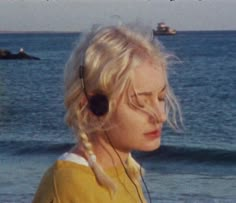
97	103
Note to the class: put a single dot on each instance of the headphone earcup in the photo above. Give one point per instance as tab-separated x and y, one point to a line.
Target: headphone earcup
99	104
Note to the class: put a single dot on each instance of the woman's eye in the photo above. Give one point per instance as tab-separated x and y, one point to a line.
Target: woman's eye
141	101
144	100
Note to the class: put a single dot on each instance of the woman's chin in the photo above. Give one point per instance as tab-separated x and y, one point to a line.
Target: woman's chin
151	146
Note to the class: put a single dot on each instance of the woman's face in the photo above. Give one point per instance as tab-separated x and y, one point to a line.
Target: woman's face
135	127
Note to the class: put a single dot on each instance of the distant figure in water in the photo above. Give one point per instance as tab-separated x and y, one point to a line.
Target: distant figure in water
22	53
117	99
22	50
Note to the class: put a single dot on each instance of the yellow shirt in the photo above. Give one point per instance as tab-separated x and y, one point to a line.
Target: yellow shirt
69	182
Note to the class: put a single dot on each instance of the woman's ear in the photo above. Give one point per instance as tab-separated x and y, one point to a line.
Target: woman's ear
83	101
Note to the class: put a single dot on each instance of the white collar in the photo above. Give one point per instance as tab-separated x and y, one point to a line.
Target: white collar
68	156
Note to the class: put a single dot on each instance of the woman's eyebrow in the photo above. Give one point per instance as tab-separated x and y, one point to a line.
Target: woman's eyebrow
147	93
144	93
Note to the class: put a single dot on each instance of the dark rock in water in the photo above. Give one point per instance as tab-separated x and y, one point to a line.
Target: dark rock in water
7	55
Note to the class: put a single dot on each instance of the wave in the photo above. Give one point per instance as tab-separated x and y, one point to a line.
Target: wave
164	153
33	147
190	154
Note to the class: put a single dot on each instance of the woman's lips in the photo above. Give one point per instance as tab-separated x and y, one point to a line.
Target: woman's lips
153	134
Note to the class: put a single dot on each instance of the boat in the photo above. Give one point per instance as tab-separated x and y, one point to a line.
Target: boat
7	55
163	29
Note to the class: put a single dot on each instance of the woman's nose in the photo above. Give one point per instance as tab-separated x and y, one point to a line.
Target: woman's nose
162	117
159	114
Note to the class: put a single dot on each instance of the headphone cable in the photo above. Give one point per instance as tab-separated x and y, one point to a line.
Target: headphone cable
145	185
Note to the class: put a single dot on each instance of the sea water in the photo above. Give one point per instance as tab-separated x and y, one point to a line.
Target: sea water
198	165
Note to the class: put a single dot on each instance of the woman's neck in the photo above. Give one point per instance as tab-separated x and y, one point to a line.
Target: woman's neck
106	155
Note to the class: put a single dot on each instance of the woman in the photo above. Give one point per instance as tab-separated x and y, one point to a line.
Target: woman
117	98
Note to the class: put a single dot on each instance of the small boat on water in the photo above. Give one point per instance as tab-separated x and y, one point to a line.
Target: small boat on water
163	29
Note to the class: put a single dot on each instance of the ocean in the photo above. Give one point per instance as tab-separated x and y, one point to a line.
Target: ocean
195	166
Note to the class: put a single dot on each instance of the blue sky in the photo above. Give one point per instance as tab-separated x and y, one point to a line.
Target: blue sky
77	15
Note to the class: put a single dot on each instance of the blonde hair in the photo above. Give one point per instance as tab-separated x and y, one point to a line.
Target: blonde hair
109	55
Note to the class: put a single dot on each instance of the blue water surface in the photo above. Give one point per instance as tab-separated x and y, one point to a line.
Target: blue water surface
198	165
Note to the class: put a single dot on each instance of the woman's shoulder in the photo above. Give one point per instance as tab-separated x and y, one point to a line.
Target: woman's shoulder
62	181
70	166
67	169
